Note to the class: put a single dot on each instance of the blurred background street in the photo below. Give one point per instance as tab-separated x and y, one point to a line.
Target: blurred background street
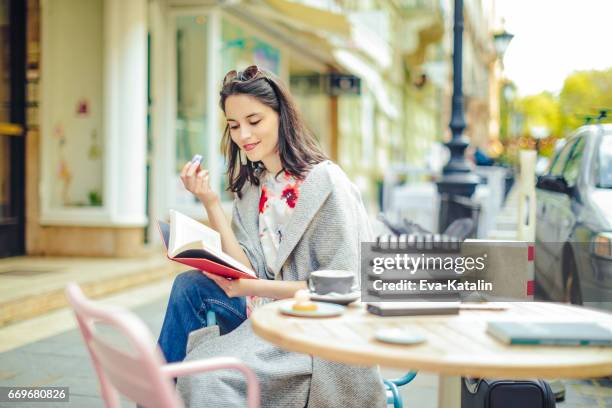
103	101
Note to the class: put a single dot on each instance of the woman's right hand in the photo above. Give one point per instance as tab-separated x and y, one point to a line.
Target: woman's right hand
196	181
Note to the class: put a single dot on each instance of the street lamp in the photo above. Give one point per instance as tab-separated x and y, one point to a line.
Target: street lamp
458	178
502	41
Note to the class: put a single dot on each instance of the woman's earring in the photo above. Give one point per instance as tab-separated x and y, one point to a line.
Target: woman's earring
243	158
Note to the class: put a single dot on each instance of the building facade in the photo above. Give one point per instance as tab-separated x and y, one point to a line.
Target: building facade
121	94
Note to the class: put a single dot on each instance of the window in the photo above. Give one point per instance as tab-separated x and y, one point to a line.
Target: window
560	160
572	168
191	107
72	127
240	48
603	173
199	69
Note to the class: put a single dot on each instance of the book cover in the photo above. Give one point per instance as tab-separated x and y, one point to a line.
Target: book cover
565	334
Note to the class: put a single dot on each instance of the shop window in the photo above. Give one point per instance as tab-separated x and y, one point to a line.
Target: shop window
72	121
191	91
241	48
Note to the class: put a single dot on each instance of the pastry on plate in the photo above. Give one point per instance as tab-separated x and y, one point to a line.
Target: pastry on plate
302	302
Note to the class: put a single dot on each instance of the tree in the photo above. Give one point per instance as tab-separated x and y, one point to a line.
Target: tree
584	93
541	110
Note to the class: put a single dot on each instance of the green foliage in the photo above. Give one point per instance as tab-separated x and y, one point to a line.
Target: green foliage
541	110
584	92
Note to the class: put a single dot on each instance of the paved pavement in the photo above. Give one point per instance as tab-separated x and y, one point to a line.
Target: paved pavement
61	360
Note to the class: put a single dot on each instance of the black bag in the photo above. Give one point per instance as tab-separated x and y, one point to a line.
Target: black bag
490	393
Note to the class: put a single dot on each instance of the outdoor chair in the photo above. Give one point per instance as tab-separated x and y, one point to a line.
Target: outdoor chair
460	228
140	374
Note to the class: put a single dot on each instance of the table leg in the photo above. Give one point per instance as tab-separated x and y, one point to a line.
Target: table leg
449	392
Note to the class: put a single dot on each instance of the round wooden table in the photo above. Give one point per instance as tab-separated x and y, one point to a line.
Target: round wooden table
457	345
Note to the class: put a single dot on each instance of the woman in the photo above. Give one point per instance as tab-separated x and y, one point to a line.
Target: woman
294	212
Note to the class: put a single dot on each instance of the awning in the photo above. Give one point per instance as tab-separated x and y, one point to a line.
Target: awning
315	17
357	66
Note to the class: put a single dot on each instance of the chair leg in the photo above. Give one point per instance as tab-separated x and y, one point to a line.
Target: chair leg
211	318
393	384
405	379
397	398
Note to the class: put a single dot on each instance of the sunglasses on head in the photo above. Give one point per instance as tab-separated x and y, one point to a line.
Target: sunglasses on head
248	74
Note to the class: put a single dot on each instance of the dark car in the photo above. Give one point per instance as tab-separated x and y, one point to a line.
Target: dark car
574	221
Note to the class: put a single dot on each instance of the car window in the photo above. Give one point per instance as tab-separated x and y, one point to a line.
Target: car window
572	168
604	163
558	164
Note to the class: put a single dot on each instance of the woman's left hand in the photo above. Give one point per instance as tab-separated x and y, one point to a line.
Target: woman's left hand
272	289
232	287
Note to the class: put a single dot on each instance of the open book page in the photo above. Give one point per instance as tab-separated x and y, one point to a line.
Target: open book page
191	239
187	233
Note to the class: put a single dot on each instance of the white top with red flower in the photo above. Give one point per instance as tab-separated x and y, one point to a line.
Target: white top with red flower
278	199
279	196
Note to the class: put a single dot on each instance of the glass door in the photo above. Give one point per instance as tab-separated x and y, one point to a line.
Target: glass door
194	95
12	120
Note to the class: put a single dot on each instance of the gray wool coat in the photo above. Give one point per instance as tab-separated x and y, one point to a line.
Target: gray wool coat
324	232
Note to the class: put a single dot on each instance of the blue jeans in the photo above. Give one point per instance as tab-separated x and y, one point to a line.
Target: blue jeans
193	296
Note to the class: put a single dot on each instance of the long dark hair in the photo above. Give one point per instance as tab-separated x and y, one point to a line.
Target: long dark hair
297	146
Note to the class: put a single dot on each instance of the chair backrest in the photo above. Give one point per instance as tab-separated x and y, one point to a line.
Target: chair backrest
460	228
135	373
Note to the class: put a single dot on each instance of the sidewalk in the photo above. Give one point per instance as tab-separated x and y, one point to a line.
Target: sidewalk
506	222
31	286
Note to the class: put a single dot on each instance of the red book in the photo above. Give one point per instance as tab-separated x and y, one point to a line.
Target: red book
192	243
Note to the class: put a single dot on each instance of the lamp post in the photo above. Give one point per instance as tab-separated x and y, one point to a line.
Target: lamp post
501	41
458	178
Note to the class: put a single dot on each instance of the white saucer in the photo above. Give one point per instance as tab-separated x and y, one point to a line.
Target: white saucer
323	310
399	336
340	299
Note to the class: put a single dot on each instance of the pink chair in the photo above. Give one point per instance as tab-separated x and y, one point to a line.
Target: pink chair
141	374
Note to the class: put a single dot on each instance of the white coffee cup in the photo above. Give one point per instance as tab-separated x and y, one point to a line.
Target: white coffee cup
328	281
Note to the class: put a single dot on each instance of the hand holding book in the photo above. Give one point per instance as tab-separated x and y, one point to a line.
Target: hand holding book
234	287
192	243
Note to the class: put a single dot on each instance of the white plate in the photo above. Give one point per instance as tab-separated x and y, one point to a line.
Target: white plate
340	299
399	336
323	310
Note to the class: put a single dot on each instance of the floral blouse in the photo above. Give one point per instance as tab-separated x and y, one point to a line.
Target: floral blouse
279	196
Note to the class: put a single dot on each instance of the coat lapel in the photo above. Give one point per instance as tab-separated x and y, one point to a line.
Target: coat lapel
248	209
313	193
